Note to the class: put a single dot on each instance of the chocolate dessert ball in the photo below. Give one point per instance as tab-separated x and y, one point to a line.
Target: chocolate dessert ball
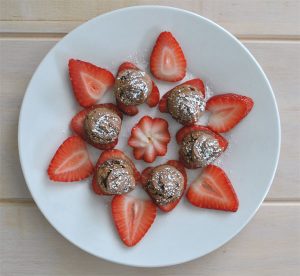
165	184
199	149
186	104
102	125
132	87
115	177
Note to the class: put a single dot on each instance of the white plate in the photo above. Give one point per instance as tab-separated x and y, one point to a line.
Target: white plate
213	55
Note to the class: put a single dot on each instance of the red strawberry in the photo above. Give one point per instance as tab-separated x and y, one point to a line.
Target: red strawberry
133	217
126	66
227	110
153	98
113	154
78	121
187	129
71	161
163	103
147	172
130	110
149	138
89	82
167	61
213	190
198	83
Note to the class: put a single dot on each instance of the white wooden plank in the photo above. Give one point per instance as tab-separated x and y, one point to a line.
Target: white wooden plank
20	58
269	245
243	18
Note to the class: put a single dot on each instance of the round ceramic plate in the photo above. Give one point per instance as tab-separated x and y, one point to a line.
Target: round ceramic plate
212	54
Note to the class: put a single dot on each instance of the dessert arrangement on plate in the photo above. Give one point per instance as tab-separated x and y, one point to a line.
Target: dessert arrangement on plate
115	174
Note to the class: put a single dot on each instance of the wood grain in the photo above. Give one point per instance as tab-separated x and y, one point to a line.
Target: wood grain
244	18
269	245
30	246
21	57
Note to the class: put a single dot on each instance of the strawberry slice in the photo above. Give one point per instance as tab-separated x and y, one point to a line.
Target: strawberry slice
130	110
187	129
163	103
227	110
132	217
213	190
77	123
147	173
126	66
152	100
89	82
113	154
198	83
149	138
71	161
167	61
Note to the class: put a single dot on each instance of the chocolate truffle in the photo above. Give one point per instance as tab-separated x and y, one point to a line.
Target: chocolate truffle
165	184
199	149
115	177
186	104
132	87
102	125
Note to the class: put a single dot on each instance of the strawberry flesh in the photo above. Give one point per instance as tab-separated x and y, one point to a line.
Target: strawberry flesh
149	138
133	217
227	110
212	189
167	61
71	161
129	110
153	98
89	82
163	103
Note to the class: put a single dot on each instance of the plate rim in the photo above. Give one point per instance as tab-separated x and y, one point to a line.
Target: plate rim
136	7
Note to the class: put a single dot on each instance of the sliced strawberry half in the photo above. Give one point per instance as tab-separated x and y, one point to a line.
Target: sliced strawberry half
147	173
132	217
71	161
127	66
212	189
77	124
153	98
89	82
130	110
188	129
227	110
163	103
149	138
198	83
113	154
167	61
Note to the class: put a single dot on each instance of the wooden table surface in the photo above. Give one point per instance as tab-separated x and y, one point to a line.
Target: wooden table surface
268	245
